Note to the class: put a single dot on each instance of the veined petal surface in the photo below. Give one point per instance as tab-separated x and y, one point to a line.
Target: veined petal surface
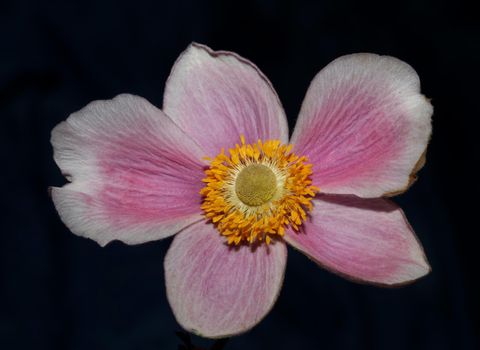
217	290
364	125
215	96
368	240
135	176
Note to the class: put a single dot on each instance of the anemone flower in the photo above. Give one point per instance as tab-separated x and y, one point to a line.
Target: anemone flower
216	167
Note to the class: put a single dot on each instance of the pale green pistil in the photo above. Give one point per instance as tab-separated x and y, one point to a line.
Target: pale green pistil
255	185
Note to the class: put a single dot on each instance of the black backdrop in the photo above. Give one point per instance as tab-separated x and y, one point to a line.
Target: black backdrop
59	291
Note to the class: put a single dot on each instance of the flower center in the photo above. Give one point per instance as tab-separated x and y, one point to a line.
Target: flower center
253	194
255	185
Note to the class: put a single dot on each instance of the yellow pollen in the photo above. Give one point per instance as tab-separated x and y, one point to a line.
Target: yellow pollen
257	191
255	185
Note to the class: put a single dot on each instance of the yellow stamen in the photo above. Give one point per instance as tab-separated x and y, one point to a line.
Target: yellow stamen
256	191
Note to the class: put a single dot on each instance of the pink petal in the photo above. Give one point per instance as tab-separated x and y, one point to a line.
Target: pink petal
364	125
216	290
215	96
364	239
135	176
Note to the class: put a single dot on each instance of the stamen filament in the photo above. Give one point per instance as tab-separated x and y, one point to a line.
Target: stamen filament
257	190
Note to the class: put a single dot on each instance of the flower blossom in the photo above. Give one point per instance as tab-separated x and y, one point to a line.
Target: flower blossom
217	169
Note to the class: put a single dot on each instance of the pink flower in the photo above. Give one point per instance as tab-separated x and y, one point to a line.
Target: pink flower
139	174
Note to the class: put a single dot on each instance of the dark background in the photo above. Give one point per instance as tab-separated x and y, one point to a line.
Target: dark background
59	291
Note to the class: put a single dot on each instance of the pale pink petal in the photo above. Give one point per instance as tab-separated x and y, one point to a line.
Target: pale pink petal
368	240
364	125
216	290
134	175
215	96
